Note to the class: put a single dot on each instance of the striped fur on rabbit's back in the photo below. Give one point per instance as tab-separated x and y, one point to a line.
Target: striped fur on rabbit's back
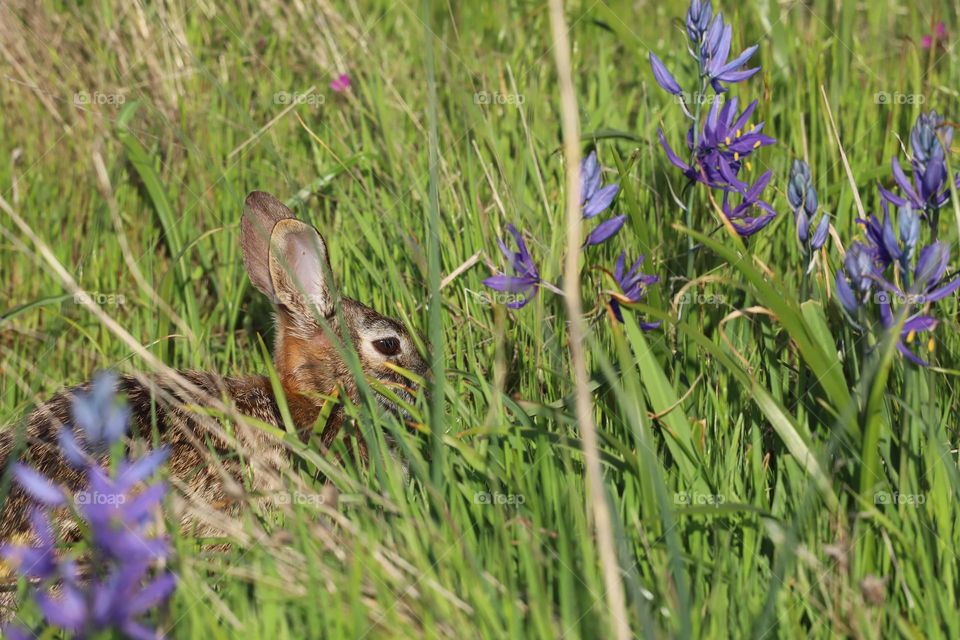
206	461
210	421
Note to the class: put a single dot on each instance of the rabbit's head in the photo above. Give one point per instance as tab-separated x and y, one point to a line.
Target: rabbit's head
287	260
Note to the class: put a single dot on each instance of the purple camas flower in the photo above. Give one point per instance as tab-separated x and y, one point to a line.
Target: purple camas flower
714	51
525	278
633	287
710	42
595	198
919	323
929	188
882	240
697	22
802	197
855	282
740	216
723	147
882	275
100	419
121	586
927	278
720	145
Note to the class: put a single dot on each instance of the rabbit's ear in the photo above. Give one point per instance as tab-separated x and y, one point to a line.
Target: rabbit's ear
300	271
262	213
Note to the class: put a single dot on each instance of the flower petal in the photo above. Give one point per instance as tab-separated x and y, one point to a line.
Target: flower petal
601	200
845	294
820	235
131	474
37	486
509	284
605	230
671	156
663	76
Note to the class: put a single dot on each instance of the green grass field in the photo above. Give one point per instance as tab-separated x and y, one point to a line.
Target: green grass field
765	477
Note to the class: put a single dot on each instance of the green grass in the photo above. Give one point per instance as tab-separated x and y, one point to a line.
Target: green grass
709	405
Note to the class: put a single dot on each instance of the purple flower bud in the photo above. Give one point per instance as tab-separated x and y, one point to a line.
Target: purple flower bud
820	235
698	19
663	76
845	294
909	223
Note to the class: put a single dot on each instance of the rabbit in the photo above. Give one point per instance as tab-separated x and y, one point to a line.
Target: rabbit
286	259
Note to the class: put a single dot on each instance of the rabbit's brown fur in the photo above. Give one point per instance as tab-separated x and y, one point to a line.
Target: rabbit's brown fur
286	259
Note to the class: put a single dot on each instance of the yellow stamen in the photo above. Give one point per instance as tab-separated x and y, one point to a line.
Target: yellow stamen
911	336
749	166
753	127
930	345
727	139
738	133
756	144
736	156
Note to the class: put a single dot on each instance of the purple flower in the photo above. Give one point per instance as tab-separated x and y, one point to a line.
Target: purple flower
802	197
526	278
710	41
698	20
341	83
720	145
800	190
13	632
37	562
927	277
918	323
714	53
929	188
882	242
724	146
855	281
927	287
633	287
845	294
122	597
594	198
883	263
98	417
740	216
116	515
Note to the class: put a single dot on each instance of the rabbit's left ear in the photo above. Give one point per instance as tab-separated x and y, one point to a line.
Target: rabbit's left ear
286	259
262	214
300	271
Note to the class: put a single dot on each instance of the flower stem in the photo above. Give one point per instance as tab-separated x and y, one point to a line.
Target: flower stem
698	109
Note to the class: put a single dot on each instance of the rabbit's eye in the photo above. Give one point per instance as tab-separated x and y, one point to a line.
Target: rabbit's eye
387	346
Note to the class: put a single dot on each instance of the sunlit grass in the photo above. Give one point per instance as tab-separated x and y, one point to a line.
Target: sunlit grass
739	498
